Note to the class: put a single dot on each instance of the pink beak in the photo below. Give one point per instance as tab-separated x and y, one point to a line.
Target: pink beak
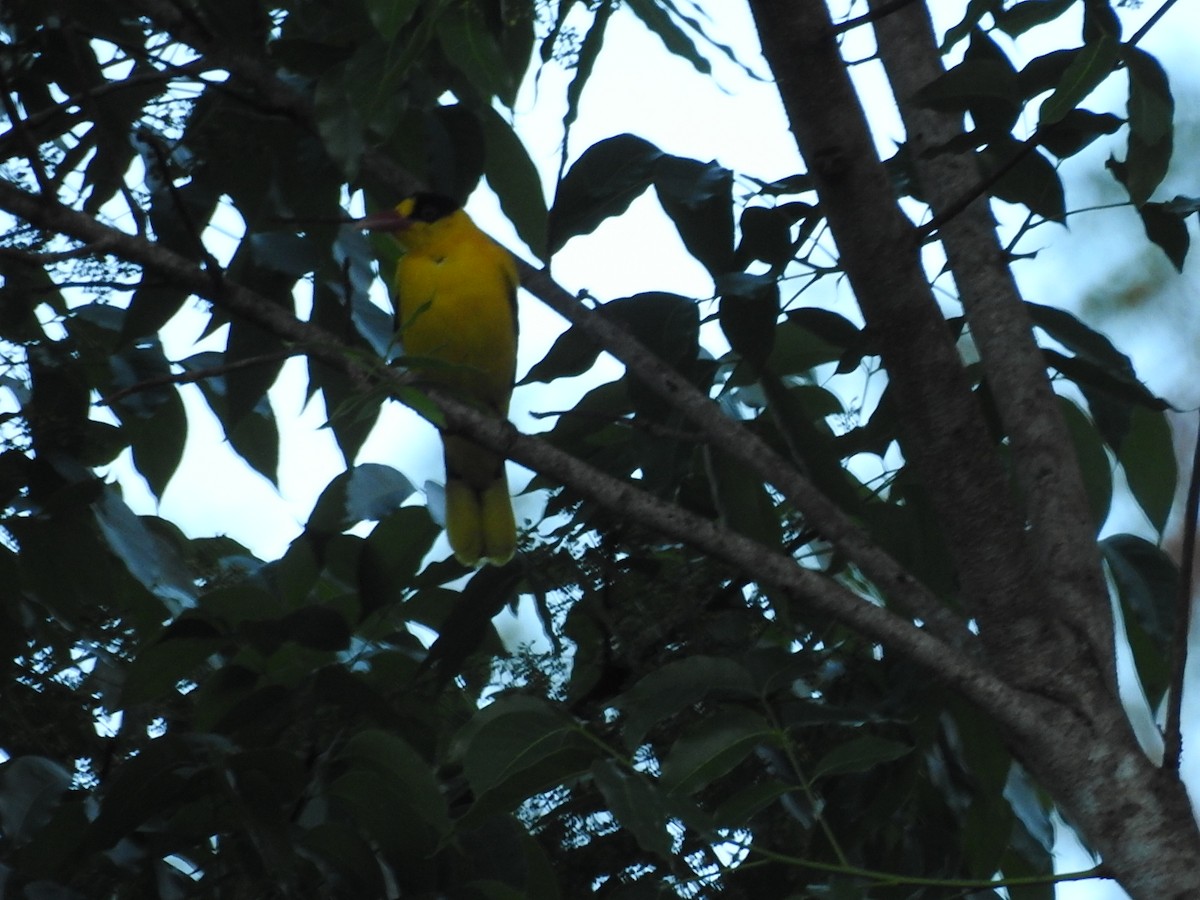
384	220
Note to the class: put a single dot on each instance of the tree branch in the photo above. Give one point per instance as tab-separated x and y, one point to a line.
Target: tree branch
1062	540
896	584
944	436
957	668
197	375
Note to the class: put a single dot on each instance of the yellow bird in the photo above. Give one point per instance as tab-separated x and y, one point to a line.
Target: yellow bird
455	293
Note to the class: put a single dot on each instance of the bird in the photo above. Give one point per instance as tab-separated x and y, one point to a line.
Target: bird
455	297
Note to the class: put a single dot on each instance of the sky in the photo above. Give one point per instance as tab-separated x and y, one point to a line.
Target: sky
1100	265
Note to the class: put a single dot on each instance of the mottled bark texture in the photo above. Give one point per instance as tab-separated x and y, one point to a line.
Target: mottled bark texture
1026	558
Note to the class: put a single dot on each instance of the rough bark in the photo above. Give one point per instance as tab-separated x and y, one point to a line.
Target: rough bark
1054	501
945	436
1045	617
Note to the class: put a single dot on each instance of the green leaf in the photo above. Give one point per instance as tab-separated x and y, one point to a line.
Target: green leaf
367	492
1031	182
1097	366
589	52
339	123
1044	73
1148	579
741	498
151	307
283	251
471	47
31	788
1094	464
398	763
468	626
389	16
1026	14
343	850
767	235
698	197
1147	582
375	490
798	348
859	755
517	747
1151	107
669	325
655	17
1076	130
985	87
666	324
515	179
352	415
393	553
572	353
676	685
975	11
1099	18
263	355
745	804
159	667
317	627
799	413
713	748
636	804
383	813
1151	111
148	556
747	314
1110	398
1168	230
1148	457
255	438
606	178
158	441
1094	63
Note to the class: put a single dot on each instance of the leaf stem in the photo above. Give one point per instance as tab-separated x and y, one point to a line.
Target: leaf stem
896	879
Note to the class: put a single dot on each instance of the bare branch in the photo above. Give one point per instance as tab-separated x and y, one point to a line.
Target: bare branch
197	374
957	668
821	513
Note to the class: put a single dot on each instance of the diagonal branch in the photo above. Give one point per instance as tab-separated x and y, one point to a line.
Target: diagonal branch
958	668
900	588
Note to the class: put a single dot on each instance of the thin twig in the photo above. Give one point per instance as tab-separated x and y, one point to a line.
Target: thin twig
1151	22
1173	735
1027	146
32	153
981	187
97	248
198	374
884	9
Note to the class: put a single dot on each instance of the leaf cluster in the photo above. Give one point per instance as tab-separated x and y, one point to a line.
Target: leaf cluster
185	719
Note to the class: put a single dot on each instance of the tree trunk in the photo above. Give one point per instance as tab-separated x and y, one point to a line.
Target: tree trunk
1030	574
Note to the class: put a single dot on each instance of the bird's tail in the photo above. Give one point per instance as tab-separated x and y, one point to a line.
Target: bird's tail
479	514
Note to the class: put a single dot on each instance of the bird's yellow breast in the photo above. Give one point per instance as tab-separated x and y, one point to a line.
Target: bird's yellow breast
456	304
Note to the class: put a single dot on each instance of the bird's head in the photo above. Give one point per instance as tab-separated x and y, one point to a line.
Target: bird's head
420	208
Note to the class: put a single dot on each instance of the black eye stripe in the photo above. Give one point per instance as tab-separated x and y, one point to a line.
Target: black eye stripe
430	207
